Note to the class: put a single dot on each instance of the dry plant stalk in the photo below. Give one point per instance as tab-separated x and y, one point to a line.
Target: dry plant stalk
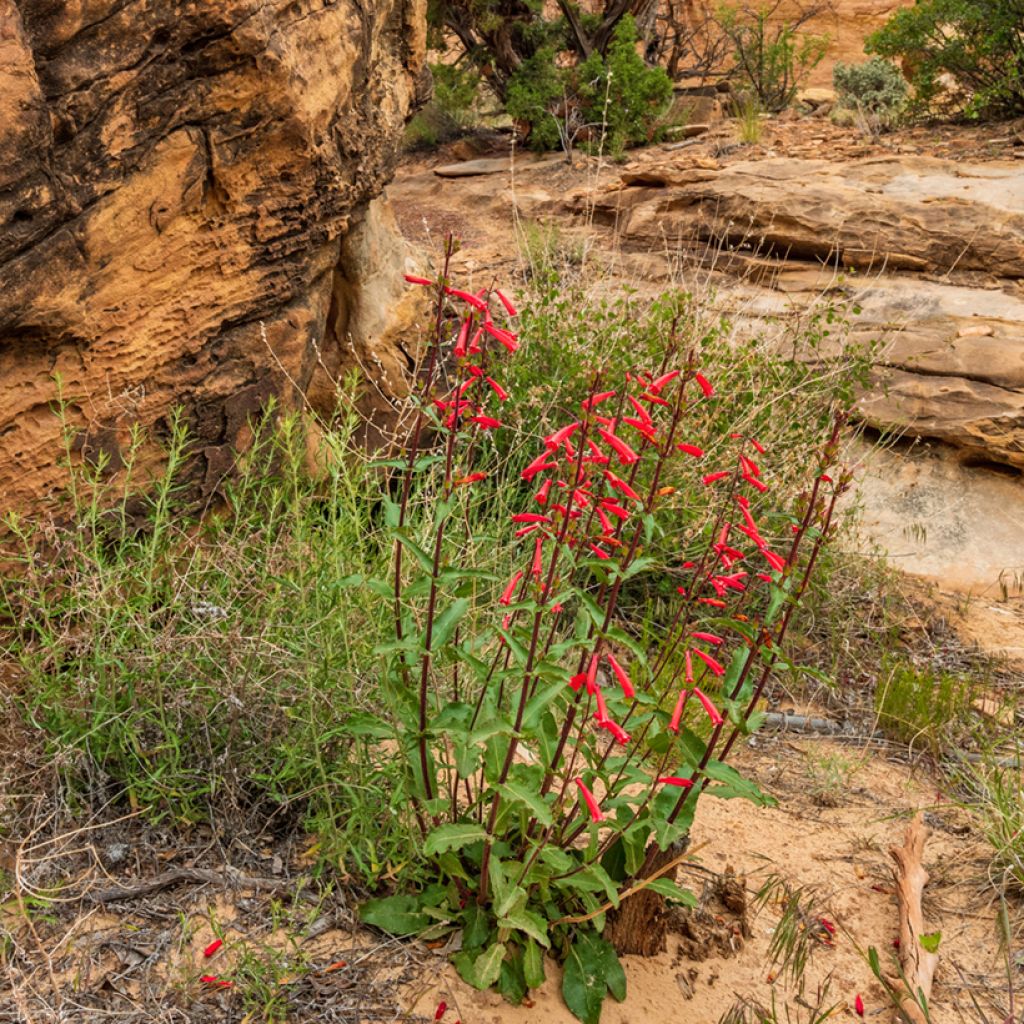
918	964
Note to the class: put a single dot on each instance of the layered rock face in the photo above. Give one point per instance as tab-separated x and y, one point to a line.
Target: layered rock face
188	217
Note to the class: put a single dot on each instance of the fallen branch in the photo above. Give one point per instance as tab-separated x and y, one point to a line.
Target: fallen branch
917	963
226	878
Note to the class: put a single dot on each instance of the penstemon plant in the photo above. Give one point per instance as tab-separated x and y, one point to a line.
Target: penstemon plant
554	762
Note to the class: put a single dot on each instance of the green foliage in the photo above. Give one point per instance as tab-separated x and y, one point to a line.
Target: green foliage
977	45
875	89
449	112
771	59
921	706
610	101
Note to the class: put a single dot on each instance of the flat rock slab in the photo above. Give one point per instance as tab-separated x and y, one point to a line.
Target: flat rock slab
474	168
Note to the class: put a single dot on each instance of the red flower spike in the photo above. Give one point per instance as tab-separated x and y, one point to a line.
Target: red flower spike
716	718
657	385
858	1005
711	478
702	382
675	780
691	449
497	389
588	799
213	947
587	404
504	299
624	680
677	712
626	454
413	279
707	637
620	485
506	597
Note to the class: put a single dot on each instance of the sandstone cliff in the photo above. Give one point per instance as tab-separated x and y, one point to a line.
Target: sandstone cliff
187	215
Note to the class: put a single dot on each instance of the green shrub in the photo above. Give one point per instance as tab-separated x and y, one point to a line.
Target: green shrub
772	59
875	89
975	45
449	113
611	102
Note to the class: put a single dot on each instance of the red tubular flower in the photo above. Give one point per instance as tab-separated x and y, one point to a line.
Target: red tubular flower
506	597
858	1005
657	385
764	576
600	552
653	399
645	429
755	483
213	947
602	708
757	444
442	1007
588	403
626	454
616	510
538	465
711	478
716	718
413	279
716	668
486	422
689	668
675	780
677	712
474	345
750	468
497	389
538	558
212	979
616	730
588	799
471	479
578	680
691	449
541	496
640	410
707	637
620	485
472	300
527	530
507	338
702	381
559	437
606	523
592	673
775	561
530	517
509	308
620	674
712	601
463	338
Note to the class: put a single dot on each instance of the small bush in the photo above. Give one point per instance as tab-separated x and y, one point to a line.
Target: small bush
449	113
772	59
605	103
974	46
875	90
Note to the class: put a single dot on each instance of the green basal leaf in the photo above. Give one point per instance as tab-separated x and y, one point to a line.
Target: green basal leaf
556	858
396	915
533	965
614	975
485	969
528	922
614	861
477	928
672	891
592	969
453	837
512	984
